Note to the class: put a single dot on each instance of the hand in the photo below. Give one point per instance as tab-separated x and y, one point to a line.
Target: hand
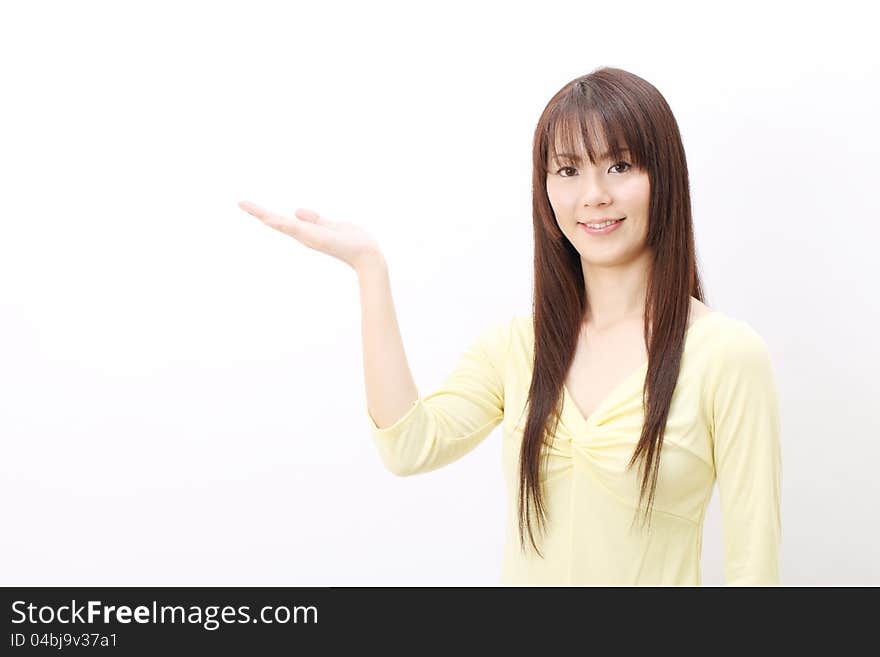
344	241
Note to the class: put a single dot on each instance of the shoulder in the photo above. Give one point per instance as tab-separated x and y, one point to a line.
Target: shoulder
736	355
497	332
521	324
522	333
735	340
493	341
504	331
506	338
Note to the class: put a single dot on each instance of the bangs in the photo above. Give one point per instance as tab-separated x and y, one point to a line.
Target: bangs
577	130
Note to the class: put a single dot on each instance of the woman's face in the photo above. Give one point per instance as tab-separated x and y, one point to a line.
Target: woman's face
582	192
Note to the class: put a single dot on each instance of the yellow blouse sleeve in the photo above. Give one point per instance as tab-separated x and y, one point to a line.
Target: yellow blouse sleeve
446	424
748	461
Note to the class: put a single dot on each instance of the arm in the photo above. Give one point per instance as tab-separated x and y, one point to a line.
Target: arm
416	434
748	461
390	388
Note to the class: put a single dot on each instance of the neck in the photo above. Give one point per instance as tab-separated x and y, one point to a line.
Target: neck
616	294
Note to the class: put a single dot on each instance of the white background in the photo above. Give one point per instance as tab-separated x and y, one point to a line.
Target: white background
181	387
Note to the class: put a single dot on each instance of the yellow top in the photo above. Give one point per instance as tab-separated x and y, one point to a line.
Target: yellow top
723	423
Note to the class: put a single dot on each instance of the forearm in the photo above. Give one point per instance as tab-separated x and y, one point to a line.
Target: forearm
390	388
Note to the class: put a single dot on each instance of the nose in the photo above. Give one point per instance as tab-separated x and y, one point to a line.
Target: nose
593	192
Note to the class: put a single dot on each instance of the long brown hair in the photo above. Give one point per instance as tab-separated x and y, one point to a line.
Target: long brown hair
621	109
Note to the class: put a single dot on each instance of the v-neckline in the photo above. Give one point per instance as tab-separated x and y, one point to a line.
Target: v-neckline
578	414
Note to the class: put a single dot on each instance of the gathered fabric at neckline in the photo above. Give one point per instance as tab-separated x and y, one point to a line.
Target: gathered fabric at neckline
576	413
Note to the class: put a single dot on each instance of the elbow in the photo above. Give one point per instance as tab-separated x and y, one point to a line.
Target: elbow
401	459
399	468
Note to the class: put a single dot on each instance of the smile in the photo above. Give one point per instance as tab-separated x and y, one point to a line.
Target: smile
602	228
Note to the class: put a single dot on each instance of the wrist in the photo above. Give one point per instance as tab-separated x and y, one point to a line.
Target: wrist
369	263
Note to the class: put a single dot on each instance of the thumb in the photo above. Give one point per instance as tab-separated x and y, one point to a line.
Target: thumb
308	215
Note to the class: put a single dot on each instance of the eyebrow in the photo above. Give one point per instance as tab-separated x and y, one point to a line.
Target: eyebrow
576	158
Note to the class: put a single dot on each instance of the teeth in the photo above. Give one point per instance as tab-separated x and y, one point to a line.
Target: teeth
603	224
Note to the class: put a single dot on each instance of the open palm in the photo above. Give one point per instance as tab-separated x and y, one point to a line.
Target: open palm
345	241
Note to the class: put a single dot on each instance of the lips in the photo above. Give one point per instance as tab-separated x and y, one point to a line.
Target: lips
601	221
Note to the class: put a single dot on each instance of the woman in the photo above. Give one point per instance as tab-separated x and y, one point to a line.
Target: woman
621	363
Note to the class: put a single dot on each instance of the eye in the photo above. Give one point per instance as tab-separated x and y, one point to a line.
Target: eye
621	163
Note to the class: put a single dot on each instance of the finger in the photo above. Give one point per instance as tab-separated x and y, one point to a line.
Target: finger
313	217
256	210
276	220
307	215
271	219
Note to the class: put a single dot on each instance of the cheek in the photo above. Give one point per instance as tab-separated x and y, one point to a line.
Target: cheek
556	198
638	192
562	197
